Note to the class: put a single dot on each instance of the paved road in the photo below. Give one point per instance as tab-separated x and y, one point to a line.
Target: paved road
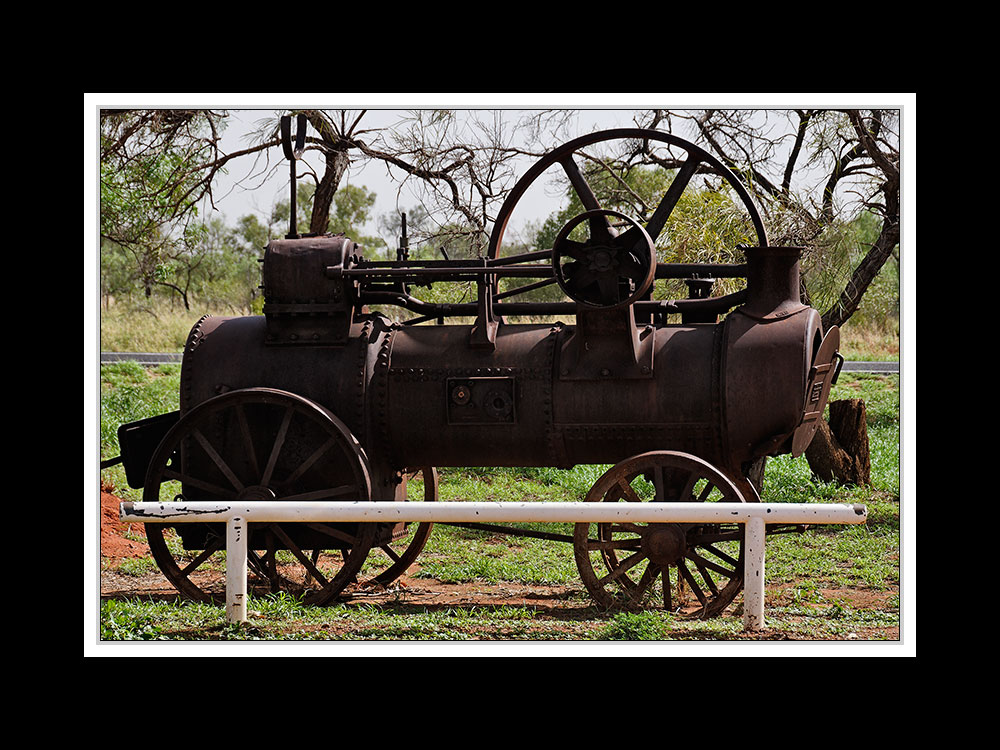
143	358
150	358
884	367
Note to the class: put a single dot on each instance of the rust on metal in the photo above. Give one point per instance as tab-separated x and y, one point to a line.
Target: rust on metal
320	398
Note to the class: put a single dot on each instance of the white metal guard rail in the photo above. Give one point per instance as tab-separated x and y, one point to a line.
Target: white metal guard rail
237	515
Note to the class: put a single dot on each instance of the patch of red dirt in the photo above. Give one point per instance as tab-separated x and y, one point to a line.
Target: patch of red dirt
116	543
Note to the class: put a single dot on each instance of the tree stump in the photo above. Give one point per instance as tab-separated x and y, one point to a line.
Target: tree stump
839	450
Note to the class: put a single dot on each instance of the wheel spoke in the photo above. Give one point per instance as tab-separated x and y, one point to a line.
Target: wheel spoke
688	490
659	484
334	533
217	459
241	419
631	543
630	494
255	562
631	268
304	466
629	562
705	539
330	492
667	605
200	484
686	574
724	557
705	562
390	553
272	560
645	581
209	550
307	581
659	218
299	555
579	183
703	566
705	492
579	276
279	440
573	249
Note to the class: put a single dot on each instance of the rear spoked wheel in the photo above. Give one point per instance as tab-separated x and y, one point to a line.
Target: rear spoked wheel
690	569
252	445
392	557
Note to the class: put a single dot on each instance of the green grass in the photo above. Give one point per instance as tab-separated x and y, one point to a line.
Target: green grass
807	574
870	343
809	617
130	392
161	326
156	326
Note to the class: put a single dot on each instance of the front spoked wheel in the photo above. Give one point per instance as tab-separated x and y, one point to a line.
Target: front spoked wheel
691	569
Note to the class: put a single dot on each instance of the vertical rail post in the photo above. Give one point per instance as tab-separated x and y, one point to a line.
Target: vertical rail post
753	573
236	569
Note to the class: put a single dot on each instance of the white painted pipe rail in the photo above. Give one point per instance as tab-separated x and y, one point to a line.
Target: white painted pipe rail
237	515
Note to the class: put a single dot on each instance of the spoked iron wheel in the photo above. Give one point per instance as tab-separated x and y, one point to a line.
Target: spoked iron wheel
260	444
690	569
402	549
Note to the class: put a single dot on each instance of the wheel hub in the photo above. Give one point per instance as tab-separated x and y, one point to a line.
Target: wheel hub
664	543
601	259
257	492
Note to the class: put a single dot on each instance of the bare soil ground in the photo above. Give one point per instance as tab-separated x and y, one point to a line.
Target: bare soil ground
120	542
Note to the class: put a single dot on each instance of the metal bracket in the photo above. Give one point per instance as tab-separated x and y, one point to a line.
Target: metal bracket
607	344
286	136
484	332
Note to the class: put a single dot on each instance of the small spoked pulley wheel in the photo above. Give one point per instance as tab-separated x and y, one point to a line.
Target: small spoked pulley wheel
605	269
392	557
252	445
689	569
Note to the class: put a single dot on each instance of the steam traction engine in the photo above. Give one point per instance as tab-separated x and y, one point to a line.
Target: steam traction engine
319	399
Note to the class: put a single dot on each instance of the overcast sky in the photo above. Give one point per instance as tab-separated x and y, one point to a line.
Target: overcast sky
242	192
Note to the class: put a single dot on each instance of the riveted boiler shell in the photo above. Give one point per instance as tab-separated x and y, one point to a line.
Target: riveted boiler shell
453	405
765	371
225	354
450	404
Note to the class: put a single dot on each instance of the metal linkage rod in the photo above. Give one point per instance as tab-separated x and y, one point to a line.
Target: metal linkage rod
439	273
469	309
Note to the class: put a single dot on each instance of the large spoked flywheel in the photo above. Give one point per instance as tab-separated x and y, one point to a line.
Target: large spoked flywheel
614	264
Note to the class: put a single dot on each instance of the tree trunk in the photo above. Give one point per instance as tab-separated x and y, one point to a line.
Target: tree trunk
839	450
336	165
